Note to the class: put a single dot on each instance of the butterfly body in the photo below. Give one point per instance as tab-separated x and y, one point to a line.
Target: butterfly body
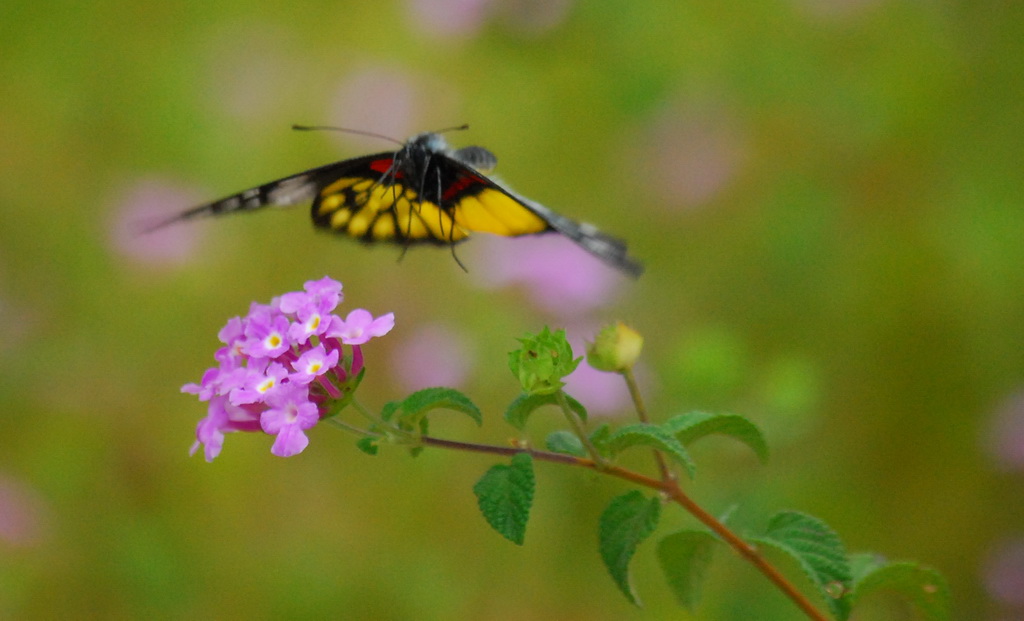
423	193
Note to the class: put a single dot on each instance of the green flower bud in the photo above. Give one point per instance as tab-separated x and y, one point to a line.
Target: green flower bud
615	349
542	361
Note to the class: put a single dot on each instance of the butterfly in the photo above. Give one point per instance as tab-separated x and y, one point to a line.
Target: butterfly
425	192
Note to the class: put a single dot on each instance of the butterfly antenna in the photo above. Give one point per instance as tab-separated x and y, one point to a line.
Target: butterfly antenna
457	128
347	130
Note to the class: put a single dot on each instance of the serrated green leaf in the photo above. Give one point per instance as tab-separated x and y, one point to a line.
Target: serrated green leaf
520	409
819	552
565	442
685	557
419	403
652	436
922	586
627	521
505	495
692	426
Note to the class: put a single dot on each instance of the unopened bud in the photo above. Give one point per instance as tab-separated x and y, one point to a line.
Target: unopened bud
615	349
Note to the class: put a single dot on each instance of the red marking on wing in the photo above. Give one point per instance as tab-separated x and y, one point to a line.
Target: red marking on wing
460	184
383	166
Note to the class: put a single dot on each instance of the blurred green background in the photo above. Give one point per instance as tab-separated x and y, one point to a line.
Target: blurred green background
826	194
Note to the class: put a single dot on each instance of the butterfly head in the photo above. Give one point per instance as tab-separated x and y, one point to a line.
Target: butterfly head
430	142
421	149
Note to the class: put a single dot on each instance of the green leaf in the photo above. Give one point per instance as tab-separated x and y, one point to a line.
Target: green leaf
653	436
818	550
599	438
416	405
389	410
424	424
685	557
505	495
921	585
368	445
692	426
863	563
627	521
519	410
565	442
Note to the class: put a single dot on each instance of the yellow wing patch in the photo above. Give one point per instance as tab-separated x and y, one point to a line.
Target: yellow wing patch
370	211
491	211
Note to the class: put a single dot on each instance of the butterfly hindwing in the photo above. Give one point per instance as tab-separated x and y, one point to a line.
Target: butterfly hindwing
382	202
376	202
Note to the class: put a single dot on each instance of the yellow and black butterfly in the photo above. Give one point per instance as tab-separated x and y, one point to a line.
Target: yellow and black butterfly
425	192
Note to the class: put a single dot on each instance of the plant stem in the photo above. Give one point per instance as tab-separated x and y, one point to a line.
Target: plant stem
747	551
373	418
506	450
669	488
578	428
641	413
340	424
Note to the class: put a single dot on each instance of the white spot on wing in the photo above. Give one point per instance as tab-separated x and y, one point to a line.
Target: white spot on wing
291	191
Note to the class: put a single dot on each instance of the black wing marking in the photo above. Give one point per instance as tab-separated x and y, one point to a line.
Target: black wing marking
384	199
293	189
611	250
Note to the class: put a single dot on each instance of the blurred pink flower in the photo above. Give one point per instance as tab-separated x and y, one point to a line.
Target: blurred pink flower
1003	573
17	325
1005	436
249	64
603	394
559	277
381	99
693	152
835	10
466	18
444	18
144	203
434	356
23	515
534	16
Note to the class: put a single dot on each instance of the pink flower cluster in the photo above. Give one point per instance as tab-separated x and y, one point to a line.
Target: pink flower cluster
281	367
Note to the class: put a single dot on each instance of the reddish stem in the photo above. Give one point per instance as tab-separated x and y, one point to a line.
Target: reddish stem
668	487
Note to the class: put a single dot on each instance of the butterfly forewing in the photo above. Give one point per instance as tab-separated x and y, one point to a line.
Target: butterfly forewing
422	193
